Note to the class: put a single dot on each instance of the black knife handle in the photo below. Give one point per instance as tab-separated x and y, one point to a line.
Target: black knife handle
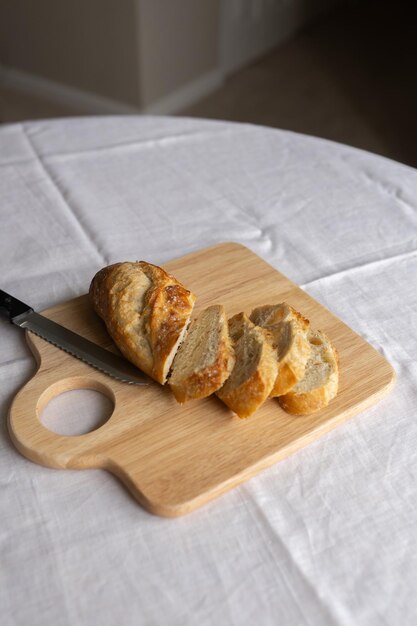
12	307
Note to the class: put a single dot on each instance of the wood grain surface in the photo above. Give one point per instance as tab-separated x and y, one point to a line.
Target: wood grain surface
174	458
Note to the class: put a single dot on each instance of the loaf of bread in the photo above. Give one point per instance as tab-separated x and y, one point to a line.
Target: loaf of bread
255	369
243	361
205	358
146	312
321	379
287	330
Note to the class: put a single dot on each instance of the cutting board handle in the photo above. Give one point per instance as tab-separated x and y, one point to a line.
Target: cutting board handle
42	445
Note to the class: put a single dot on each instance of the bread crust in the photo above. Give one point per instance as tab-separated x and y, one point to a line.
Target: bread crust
311	401
146	311
247	397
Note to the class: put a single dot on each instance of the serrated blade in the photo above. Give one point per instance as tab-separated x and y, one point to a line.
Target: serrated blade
82	348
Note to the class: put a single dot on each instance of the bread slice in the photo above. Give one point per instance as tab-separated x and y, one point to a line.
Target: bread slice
287	329
255	370
205	357
321	378
146	312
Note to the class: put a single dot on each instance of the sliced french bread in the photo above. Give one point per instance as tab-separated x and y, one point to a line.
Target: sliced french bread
287	330
205	357
321	379
255	369
146	312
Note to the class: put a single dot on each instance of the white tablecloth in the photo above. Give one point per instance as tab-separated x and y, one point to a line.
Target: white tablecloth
326	537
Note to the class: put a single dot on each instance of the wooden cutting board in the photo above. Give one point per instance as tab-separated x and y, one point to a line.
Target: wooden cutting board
174	458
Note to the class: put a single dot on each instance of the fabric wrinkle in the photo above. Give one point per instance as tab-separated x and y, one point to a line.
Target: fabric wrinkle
87	236
391	190
262	519
135	145
340	274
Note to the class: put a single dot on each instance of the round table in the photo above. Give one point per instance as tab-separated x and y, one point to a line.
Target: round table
327	536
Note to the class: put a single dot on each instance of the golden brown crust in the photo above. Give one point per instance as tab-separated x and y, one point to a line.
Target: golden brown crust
245	398
99	290
303	322
248	397
169	309
145	310
304	403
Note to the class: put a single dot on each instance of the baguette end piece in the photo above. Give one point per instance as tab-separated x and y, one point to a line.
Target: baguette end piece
146	312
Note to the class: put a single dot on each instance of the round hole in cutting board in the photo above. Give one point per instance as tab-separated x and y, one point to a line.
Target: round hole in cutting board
76	412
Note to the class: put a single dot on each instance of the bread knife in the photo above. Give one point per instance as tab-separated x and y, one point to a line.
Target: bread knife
23	315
